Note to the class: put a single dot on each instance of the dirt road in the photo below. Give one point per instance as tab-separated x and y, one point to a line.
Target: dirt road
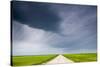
60	59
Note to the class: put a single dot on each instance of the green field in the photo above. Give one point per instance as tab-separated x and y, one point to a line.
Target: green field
31	60
83	57
35	59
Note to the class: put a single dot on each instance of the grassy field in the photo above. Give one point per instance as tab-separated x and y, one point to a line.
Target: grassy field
83	57
31	60
35	60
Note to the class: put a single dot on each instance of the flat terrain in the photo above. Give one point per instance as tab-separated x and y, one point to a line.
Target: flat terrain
83	57
53	59
60	59
31	60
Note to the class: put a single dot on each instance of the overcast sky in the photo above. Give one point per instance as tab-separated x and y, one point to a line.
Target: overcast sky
44	28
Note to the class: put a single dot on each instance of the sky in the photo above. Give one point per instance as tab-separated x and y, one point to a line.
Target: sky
47	28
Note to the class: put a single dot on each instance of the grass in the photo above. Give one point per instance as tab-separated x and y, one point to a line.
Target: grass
35	60
83	57
31	60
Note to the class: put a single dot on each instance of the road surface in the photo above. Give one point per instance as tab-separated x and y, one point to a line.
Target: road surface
60	59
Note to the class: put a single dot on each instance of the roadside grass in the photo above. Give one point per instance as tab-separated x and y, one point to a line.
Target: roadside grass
31	60
82	57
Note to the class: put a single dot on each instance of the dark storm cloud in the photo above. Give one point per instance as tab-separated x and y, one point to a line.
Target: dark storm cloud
37	15
79	26
34	25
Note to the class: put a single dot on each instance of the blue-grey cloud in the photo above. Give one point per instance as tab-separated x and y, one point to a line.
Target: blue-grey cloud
37	15
71	28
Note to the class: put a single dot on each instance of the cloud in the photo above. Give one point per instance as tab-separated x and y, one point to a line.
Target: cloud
77	18
33	41
65	29
36	15
78	24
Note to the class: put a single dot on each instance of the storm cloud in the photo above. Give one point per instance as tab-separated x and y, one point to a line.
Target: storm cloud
45	28
37	15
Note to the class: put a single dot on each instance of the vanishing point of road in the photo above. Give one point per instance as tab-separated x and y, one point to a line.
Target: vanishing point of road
60	59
